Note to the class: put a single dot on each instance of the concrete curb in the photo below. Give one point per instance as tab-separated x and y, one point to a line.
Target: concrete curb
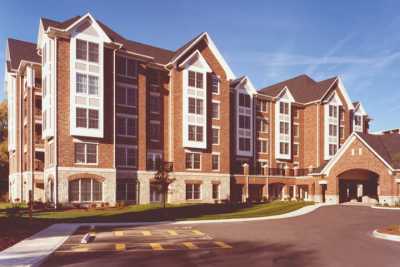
390	237
384	208
38	247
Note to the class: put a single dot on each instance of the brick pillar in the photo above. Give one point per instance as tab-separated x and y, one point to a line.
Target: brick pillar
142	118
317	192
287	170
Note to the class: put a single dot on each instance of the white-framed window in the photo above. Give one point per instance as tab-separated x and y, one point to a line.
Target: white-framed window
87	118
155	131
196	79
126	190
192	160
284	108
261	105
215	190
333	130
87	51
296	113
195	106
153	160
215	162
214	84
126	125
126	156
155	194
284	127
333	111
155	103
284	148
262	146
195	133
85	190
126	67
244	100
262	125
296	130
193	191
126	95
85	153
215	110
244	122
332	149
244	144
215	136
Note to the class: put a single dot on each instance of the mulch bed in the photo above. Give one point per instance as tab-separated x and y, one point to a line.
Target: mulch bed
391	230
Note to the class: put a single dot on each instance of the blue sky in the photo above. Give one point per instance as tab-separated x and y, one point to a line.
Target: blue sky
269	41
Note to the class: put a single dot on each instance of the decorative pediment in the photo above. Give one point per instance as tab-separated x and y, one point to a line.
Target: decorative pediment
285	95
196	61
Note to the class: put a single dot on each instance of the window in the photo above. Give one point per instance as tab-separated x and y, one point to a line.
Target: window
85	153
195	133
262	125
155	131
262	105
126	67
296	113
126	96
126	126
126	156
153	161
155	103
155	194
214	84
215	110
215	136
263	146
244	100
332	130
244	144
87	118
295	130
341	114
244	122
195	79
192	160
284	148
332	149
215	162
85	190
83	53
283	108
192	191
195	106
295	149
333	111
357	120
126	191
284	127
82	86
341	132
215	191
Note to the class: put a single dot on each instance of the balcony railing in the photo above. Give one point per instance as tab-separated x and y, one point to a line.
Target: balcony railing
273	171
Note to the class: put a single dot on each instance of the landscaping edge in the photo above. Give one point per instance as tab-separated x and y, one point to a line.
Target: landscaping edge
390	237
385	208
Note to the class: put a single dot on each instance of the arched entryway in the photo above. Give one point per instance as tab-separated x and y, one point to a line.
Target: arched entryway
358	185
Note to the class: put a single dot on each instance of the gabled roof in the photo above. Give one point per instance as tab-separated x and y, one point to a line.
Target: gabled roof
21	50
181	49
159	55
303	88
386	145
235	82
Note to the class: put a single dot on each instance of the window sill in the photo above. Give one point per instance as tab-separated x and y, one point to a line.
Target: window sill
127	136
126	106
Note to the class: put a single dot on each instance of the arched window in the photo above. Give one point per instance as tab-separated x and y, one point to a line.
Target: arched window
85	190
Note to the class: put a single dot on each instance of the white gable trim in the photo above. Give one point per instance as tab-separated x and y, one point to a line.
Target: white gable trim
247	84
360	110
285	92
214	49
326	170
343	91
97	27
205	67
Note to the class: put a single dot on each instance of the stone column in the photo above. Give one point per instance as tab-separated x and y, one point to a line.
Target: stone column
245	194
287	170
284	192
294	192
301	195
266	186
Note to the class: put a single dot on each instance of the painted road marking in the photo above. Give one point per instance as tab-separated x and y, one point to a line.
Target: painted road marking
80	249
92	234
172	232
120	246
146	233
190	245
118	233
156	246
222	244
197	232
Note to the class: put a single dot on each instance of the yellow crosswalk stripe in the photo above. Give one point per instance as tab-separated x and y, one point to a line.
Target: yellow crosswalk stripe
197	232
172	232
93	233
80	249
120	246
118	233
222	244
146	233
156	246
190	245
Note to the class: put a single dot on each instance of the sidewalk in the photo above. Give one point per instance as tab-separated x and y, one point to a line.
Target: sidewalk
33	250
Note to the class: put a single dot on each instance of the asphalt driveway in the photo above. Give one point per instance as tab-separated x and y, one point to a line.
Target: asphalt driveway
329	236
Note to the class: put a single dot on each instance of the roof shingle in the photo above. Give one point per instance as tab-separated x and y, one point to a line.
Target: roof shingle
21	50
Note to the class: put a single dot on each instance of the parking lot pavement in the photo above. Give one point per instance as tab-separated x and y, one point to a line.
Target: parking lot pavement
135	239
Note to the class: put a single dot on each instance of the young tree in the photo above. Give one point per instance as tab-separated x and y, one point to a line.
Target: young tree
163	180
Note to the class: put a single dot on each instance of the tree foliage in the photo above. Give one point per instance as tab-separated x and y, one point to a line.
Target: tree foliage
3	140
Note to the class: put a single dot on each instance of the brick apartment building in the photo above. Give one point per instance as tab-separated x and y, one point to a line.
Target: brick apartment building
91	113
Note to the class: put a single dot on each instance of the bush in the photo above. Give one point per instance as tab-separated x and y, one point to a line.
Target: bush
15	211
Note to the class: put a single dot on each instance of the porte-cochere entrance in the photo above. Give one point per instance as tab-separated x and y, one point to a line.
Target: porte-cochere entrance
358	185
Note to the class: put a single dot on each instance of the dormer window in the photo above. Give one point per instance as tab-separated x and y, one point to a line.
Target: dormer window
87	51
195	79
357	120
284	108
333	111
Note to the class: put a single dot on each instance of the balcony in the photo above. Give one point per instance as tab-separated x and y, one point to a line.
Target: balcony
274	171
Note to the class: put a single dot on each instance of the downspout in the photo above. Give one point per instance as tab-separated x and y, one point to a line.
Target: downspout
56	123
318	133
170	156
21	149
31	135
